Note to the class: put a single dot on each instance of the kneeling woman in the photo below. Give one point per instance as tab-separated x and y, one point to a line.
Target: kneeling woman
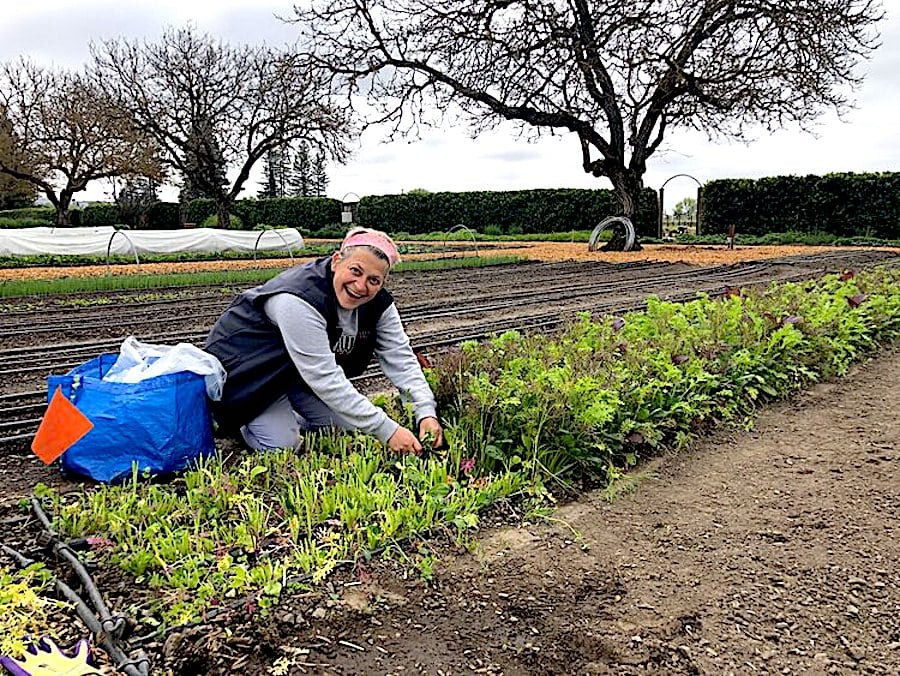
290	346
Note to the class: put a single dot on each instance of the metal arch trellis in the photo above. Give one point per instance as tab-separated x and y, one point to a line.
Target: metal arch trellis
460	226
109	248
694	178
662	189
277	232
626	224
347	211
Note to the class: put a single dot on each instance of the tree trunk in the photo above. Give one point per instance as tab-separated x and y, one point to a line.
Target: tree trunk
222	209
627	190
62	209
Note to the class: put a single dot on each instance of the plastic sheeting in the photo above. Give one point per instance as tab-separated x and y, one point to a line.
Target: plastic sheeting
96	241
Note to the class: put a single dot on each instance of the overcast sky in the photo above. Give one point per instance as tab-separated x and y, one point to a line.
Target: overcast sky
868	139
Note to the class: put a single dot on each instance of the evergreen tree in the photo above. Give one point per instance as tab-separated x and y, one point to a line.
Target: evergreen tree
276	172
300	176
134	199
319	175
204	168
270	180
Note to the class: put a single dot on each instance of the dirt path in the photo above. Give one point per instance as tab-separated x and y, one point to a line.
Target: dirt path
770	551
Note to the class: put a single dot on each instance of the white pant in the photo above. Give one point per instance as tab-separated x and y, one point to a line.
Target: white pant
280	426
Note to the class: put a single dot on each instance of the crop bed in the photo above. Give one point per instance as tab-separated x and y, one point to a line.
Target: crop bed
49	335
43	336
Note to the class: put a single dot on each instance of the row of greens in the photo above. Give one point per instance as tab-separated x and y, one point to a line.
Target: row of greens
521	412
266	522
591	401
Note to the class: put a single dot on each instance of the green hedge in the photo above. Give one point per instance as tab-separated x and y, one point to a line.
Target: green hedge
27	217
512	212
305	213
100	214
38	213
845	205
163	216
508	213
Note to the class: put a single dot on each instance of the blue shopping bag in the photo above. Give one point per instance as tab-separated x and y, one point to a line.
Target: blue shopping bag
160	424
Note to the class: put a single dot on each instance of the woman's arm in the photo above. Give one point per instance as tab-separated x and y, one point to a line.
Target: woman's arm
305	335
400	365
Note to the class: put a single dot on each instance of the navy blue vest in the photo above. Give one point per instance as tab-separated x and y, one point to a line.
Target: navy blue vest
253	353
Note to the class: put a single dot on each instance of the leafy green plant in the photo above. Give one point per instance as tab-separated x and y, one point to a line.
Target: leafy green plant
24	611
226	530
588	403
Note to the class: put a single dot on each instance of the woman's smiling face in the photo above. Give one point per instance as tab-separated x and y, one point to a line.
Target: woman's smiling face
358	276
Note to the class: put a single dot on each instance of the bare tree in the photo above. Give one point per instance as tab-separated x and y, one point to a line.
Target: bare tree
247	100
618	74
66	133
13	191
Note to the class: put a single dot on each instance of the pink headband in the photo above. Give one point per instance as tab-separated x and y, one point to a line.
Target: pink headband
380	242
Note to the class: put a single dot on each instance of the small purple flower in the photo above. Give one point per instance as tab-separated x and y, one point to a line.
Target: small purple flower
466	465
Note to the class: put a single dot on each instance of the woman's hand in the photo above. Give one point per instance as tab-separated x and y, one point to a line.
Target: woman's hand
430	428
404	441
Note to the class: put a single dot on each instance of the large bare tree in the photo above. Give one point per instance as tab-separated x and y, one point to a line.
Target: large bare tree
207	102
617	74
63	134
13	191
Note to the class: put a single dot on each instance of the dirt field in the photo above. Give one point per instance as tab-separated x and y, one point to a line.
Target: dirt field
774	550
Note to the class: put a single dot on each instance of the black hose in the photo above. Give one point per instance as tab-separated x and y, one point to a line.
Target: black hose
139	666
111	624
105	626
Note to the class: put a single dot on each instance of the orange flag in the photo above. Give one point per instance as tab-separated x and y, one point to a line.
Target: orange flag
62	426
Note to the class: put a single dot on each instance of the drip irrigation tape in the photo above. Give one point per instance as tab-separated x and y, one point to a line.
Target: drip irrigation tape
106	628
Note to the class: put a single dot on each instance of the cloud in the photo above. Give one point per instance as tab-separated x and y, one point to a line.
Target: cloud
512	155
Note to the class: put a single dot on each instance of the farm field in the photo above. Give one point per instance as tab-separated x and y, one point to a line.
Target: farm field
751	551
537	251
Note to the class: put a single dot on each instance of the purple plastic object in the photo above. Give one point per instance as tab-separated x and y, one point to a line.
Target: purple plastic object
44	658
